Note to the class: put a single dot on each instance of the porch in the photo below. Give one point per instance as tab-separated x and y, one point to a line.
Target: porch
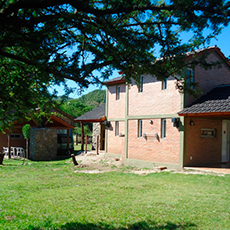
216	168
207	130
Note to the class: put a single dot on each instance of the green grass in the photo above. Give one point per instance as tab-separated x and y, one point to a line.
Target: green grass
50	195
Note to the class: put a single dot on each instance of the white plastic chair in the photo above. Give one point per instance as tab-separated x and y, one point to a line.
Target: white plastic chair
20	151
6	151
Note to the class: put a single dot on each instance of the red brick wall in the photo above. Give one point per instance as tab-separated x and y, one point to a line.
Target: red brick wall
116	108
210	78
203	150
14	142
165	150
116	144
154	100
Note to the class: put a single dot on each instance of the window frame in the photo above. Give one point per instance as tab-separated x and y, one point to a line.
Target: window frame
13	136
189	77
163	128
116	128
141	84
118	91
164	84
140	128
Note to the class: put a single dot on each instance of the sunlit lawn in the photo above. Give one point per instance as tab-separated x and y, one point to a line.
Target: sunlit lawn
50	195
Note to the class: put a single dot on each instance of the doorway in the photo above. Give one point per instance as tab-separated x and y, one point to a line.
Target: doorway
102	139
225	141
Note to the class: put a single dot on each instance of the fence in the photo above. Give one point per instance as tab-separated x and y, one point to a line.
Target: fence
78	141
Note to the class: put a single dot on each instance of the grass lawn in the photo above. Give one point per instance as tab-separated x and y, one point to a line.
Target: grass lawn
50	195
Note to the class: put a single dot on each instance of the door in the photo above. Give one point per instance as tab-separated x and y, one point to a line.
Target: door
102	144
226	141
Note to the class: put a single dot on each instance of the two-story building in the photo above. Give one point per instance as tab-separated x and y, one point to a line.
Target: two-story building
153	124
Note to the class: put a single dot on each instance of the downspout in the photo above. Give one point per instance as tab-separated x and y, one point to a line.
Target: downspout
106	114
182	134
126	120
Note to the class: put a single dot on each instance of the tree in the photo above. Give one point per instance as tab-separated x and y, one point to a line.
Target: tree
103	34
26	131
75	108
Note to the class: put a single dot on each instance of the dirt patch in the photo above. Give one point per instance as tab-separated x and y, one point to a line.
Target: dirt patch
92	163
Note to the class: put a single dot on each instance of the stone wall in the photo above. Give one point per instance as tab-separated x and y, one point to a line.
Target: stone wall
96	132
43	144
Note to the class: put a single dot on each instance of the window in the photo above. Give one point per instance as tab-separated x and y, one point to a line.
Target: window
140	89
117	128
164	84
189	77
118	90
16	136
139	134
163	128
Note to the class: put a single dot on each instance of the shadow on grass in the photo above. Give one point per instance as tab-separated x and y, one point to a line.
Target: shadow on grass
150	225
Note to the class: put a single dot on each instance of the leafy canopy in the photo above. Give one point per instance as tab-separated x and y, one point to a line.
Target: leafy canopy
46	42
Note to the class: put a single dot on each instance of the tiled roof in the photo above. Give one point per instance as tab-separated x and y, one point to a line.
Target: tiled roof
96	114
189	55
215	101
115	80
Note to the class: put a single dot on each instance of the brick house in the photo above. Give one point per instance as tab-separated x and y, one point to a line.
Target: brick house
47	142
150	126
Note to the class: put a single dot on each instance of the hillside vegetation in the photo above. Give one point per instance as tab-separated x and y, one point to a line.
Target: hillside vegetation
93	99
79	106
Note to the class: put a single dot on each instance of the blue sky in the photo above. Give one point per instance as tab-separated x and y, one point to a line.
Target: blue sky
222	41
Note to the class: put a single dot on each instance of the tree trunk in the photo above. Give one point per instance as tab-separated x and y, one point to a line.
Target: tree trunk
9	144
1	158
27	148
74	159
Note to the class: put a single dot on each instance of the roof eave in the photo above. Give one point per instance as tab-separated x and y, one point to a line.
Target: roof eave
209	114
90	120
116	82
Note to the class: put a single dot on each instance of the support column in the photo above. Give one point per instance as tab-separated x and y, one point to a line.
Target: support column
106	114
82	136
86	142
67	142
126	119
9	144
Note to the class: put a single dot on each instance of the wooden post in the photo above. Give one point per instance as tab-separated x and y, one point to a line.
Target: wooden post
9	144
27	149
67	142
1	157
82	136
74	159
76	139
97	145
86	140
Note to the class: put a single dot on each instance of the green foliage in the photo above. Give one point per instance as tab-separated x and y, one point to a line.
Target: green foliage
94	98
75	108
78	107
26	130
87	129
100	37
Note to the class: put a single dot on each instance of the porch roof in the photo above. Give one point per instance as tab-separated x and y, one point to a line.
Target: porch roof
95	115
214	103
